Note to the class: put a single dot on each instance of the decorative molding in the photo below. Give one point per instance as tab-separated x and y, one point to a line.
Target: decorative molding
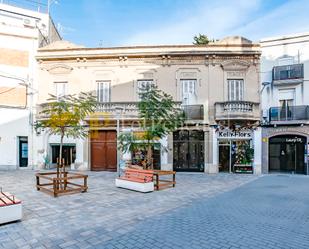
59	69
235	65
235	74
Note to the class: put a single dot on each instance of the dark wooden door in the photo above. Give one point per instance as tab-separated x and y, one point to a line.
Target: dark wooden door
188	150
104	151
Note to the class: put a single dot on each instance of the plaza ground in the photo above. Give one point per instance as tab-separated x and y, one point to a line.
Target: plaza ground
203	211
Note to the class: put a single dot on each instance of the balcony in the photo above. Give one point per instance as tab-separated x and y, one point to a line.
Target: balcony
193	112
291	114
237	110
289	74
129	110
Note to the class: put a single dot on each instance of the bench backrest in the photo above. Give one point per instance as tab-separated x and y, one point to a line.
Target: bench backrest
137	175
7	199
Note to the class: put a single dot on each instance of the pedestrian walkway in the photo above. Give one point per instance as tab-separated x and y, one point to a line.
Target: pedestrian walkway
203	211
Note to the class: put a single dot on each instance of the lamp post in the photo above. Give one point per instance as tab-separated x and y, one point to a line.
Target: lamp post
265	84
119	110
49	3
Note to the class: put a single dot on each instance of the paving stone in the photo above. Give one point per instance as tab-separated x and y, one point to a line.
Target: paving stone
203	211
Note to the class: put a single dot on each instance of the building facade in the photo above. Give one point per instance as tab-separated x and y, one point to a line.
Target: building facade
285	103
22	32
216	85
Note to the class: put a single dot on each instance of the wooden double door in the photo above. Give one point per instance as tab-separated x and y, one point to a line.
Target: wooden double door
103	150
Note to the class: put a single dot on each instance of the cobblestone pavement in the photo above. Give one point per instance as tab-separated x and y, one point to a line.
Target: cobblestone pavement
203	211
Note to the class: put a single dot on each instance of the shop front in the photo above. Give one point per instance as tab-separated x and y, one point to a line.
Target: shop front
235	151
285	150
287	154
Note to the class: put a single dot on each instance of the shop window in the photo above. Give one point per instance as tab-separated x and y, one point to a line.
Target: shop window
139	156
68	153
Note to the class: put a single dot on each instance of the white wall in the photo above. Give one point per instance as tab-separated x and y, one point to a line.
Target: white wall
12	125
296	46
15	122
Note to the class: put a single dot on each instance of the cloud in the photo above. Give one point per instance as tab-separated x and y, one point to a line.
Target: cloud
254	19
214	18
291	17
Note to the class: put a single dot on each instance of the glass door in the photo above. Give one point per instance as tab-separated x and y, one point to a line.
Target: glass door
23	152
224	156
188	154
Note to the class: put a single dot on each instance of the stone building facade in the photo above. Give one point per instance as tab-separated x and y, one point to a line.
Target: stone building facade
216	85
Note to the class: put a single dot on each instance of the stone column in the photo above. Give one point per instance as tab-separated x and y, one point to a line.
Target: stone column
257	145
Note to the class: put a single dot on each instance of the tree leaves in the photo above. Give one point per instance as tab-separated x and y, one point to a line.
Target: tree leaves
65	116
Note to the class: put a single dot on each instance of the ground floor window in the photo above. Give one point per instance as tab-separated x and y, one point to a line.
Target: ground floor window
287	153
68	153
236	156
139	156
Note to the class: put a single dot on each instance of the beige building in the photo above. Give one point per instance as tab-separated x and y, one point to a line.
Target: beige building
217	86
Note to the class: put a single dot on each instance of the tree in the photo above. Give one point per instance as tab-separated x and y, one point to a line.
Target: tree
159	116
64	117
201	39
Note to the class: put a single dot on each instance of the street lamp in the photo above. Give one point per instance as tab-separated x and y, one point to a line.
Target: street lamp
119	110
265	84
49	3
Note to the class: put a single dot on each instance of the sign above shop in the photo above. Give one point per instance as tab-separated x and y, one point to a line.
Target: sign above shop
235	134
294	140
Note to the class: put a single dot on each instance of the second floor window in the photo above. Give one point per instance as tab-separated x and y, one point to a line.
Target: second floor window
144	85
103	91
236	90
60	89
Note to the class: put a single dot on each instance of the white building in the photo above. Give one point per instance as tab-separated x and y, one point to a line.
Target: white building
22	32
285	103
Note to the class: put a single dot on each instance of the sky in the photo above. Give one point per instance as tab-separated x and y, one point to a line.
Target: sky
104	23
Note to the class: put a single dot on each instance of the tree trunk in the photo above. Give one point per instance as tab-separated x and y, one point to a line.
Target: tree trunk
59	174
149	157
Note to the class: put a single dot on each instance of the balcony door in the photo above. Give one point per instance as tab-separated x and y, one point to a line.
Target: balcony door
286	102
103	91
235	90
188	91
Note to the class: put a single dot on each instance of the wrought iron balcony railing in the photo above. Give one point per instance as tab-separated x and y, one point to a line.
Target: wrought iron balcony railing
288	73
237	110
193	112
289	113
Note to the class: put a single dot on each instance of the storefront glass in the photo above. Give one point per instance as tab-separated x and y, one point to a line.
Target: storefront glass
235	150
287	153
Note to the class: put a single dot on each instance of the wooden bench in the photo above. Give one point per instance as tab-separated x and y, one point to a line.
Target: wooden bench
135	179
164	183
10	208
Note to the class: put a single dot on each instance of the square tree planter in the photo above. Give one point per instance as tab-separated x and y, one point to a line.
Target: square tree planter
56	184
10	208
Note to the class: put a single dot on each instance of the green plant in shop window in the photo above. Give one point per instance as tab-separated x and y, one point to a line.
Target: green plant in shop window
244	153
